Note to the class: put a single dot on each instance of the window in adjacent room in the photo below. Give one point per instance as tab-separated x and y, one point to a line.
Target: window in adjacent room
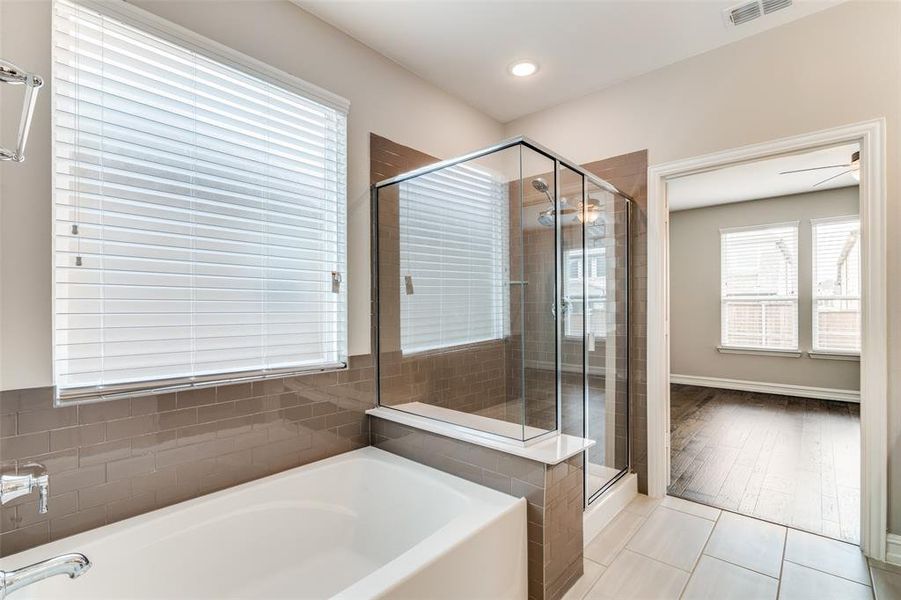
454	235
199	209
759	279
593	298
836	285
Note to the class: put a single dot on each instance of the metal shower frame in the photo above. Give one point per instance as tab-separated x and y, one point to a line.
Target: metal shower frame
559	162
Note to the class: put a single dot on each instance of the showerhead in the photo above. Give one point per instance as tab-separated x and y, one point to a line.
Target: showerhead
546	217
540	184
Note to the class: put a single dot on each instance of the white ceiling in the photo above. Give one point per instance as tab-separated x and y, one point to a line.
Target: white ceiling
761	179
465	47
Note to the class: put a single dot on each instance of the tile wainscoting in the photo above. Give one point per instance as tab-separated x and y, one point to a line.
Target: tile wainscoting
113	460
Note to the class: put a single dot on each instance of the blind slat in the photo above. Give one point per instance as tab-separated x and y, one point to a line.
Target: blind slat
200	211
454	231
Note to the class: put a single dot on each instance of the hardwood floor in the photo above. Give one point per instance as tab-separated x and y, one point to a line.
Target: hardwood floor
793	461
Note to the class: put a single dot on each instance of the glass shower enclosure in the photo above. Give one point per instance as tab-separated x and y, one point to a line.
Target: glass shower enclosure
500	300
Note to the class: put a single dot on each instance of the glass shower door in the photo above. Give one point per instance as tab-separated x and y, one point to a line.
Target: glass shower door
605	302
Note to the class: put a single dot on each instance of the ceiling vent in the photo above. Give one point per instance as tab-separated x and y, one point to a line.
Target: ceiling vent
748	11
771	6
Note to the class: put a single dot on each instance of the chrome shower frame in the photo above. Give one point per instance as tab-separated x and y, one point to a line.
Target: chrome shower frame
559	162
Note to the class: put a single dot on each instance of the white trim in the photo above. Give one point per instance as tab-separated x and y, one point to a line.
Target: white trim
759	351
546	365
833	356
612	502
893	549
874	356
550	449
782	389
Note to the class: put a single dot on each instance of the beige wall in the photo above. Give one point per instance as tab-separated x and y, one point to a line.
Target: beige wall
385	99
840	66
695	291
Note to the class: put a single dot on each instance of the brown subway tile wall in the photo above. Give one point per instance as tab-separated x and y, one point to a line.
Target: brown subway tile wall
629	172
553	494
112	460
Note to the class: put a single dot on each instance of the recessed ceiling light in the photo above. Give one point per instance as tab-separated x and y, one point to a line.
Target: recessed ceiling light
523	68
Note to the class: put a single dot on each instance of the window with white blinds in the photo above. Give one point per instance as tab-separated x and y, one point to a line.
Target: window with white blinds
836	285
593	299
453	258
759	277
199	209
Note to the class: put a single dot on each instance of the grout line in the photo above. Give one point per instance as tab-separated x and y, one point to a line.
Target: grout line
782	564
869	585
703	551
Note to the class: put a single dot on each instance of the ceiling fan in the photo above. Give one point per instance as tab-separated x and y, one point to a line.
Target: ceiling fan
853	168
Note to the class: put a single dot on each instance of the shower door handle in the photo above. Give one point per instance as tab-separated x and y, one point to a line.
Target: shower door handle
566	304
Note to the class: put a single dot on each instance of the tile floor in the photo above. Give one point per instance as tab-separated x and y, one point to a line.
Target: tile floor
676	549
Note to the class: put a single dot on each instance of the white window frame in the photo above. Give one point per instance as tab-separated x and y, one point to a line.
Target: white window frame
724	346
181	36
815	347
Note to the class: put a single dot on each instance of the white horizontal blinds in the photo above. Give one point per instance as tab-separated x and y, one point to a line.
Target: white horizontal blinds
836	285
453	258
595	302
199	212
759	271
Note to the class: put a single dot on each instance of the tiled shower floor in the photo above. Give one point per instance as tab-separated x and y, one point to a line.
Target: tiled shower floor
676	549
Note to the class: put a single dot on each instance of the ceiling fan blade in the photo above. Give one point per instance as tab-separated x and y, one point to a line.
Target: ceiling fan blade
814	169
831	178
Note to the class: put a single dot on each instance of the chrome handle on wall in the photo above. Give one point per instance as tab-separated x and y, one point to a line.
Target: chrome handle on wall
10	73
15	486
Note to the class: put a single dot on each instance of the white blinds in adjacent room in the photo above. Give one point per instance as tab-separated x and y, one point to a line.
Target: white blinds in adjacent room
453	258
759	276
596	287
199	210
836	285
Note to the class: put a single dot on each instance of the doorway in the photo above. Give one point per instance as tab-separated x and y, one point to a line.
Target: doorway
873	367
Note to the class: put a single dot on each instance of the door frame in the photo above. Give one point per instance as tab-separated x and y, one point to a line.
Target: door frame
874	346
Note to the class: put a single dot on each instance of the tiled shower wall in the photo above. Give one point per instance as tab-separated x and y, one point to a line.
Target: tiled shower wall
112	460
629	173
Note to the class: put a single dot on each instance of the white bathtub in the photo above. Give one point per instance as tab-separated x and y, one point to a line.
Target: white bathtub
366	524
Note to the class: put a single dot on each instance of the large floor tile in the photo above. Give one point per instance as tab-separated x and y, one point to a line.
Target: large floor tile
635	577
802	583
607	544
673	537
823	554
714	579
692	508
643	505
590	573
886	584
749	543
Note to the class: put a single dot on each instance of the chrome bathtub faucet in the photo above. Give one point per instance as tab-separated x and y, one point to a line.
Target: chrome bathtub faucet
73	565
13	486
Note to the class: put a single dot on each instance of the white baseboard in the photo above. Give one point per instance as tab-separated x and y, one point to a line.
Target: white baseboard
893	549
543	365
611	502
783	389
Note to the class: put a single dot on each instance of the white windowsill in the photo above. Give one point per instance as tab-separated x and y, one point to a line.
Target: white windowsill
759	351
823	355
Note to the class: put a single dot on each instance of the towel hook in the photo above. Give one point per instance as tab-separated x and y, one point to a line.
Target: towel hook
10	73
